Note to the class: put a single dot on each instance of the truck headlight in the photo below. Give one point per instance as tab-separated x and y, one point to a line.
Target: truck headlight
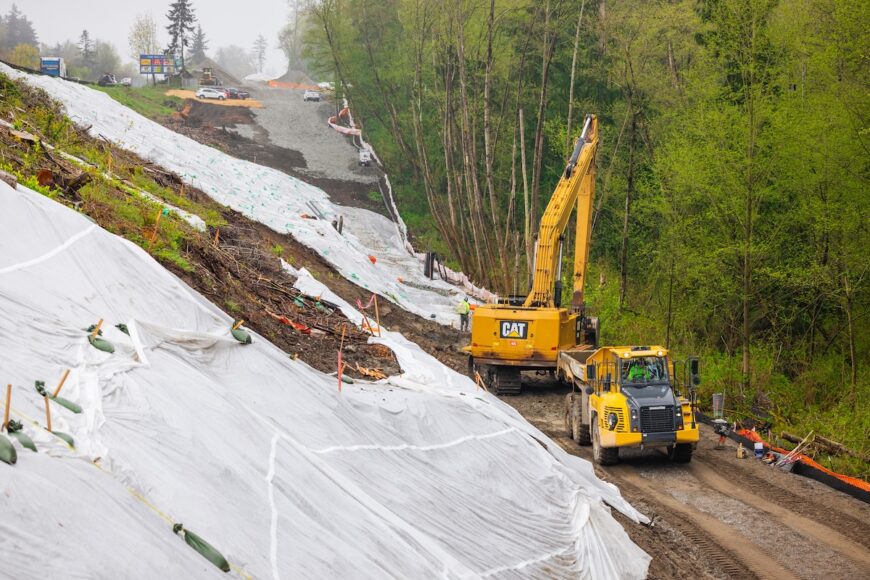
612	420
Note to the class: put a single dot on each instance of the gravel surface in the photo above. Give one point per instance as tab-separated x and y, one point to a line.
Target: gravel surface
295	124
720	516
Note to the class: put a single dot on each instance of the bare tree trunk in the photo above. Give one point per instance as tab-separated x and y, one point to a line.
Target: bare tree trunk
488	153
549	47
853	359
629	192
573	71
527	238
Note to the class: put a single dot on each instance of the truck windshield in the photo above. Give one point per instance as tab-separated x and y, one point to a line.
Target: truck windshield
645	370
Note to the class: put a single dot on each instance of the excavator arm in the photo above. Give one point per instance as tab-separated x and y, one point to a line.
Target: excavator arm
576	187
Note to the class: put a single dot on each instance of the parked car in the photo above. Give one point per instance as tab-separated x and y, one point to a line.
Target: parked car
107	80
311	96
365	156
233	93
211	93
126	82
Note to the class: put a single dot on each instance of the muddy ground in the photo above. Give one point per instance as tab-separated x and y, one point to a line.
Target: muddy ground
719	516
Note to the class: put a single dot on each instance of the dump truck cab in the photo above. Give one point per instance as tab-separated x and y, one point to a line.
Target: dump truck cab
630	396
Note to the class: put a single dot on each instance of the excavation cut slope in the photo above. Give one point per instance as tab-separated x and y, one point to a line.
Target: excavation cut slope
257	453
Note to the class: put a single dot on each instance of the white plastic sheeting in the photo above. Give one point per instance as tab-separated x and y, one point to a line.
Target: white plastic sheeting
417	476
270	197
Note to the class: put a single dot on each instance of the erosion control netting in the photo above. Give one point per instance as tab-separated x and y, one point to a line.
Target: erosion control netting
270	197
257	454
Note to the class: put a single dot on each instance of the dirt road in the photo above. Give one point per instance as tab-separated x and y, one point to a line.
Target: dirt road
722	517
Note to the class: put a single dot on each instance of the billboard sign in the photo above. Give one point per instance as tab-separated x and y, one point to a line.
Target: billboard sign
156	64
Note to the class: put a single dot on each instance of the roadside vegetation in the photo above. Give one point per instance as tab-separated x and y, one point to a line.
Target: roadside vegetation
151	102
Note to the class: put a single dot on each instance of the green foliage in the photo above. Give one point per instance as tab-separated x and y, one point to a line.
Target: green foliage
278	250
151	102
733	170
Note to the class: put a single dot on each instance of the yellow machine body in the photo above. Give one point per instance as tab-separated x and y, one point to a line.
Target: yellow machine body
507	338
522	337
612	407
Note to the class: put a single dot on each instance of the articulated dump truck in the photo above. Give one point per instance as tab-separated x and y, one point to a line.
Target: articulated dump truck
630	396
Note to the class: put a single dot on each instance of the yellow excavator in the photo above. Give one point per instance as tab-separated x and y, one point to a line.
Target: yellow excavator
511	337
622	396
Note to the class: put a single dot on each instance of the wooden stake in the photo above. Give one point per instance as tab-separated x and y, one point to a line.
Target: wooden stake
97	329
340	348
217	237
377	315
47	414
156	225
8	403
60	385
238	324
368	324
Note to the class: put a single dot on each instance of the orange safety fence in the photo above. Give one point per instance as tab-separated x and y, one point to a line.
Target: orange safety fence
853	481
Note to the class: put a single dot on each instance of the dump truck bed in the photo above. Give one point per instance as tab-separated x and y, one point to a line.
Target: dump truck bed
572	364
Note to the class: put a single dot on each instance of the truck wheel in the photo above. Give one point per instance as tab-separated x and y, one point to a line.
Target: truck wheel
581	433
602	455
574	420
680	453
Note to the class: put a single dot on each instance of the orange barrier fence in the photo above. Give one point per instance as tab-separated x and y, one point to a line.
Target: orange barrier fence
853	481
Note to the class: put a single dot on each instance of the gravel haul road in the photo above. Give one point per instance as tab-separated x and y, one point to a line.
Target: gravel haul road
719	516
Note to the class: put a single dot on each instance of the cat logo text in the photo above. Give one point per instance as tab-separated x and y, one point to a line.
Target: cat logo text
513	329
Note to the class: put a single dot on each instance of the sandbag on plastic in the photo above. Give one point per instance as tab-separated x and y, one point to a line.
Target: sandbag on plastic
101	344
74	407
15	430
67	438
208	551
7	451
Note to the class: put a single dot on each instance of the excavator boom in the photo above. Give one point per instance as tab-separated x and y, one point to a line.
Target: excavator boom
506	338
575	188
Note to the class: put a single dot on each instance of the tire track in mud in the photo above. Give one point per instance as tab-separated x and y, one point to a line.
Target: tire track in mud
803	506
722	558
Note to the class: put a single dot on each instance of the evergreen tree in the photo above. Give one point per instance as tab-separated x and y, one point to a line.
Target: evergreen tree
199	46
181	18
86	47
16	29
260	46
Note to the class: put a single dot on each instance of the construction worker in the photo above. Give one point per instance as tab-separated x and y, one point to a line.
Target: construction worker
463	309
637	372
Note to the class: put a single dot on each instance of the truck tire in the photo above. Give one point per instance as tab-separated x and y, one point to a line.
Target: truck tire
602	455
577	430
681	452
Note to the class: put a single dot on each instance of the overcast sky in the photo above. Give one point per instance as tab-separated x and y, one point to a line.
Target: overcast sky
224	22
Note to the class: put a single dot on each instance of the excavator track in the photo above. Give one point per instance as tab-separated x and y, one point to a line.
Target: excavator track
506	381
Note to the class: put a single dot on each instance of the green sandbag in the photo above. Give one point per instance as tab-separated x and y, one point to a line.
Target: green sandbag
101	344
75	408
298	302
68	438
7	451
25	440
15	429
123	328
204	548
241	335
